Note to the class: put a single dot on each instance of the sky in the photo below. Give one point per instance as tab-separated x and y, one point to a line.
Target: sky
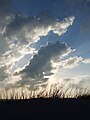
44	43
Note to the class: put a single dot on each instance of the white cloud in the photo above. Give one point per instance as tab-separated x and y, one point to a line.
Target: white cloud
70	62
82	81
86	61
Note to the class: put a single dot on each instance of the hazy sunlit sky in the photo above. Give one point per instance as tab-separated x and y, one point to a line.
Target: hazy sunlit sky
43	42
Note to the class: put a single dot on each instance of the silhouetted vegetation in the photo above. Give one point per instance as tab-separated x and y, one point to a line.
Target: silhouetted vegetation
44	93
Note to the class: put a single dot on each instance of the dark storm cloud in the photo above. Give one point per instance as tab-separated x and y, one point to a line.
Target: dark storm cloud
40	65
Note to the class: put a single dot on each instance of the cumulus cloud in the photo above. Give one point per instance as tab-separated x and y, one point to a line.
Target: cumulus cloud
71	62
31	28
41	65
86	61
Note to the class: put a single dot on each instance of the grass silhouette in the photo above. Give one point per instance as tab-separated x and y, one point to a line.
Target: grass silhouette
55	104
14	94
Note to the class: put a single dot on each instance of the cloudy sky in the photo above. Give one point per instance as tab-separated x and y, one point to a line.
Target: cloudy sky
44	43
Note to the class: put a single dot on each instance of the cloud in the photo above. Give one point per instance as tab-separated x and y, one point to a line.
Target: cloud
71	62
4	14
41	65
82	81
86	61
3	75
31	28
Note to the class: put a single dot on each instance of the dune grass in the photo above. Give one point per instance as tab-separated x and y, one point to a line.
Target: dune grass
15	94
